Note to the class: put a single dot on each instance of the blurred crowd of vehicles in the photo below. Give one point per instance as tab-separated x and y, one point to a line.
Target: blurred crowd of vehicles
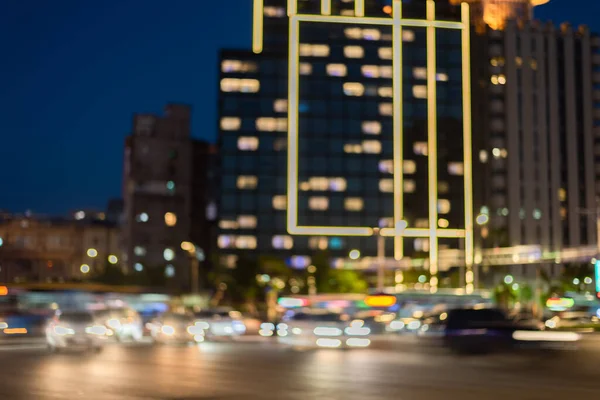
85	318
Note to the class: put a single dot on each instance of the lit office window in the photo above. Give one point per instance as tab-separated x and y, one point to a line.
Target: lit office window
443	223
238	66
386	109
280	105
318	184
386	185
354	52
456	168
228	224
314	50
371	127
318	242
371	146
420	91
274	12
385	53
354	89
280	202
443	206
409	186
441	77
483	156
386	166
247	143
386	71
352	148
494	79
408	36
336	70
562	194
386	222
170	219
353	33
420	73
409	167
421	244
139	251
305	68
225	241
245	242
231	123
371	34
518	61
280	144
247	221
347	13
270	124
422	223
240	85
337	184
247	182
282	242
497	62
370	71
385	91
420	148
318	203
353	204
501	79
443	187
229	260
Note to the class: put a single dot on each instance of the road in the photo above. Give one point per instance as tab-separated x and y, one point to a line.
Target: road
266	371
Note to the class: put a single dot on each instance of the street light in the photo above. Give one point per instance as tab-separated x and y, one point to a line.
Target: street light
113	259
84	268
354	254
92	253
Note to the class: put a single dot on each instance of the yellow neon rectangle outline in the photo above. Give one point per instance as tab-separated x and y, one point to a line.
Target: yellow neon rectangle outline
359	8
414	23
293	93
423	233
326	7
398	127
292	7
330	231
257	27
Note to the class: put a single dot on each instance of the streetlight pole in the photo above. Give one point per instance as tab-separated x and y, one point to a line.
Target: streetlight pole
380	260
196	255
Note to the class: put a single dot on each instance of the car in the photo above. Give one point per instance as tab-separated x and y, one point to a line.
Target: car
75	329
321	328
220	323
124	323
173	327
571	320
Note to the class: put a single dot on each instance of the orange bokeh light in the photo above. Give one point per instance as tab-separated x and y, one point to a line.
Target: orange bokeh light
380	301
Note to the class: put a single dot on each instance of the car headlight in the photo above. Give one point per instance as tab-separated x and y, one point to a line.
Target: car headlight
195	330
167	330
61	330
357	331
327	331
114	323
96	330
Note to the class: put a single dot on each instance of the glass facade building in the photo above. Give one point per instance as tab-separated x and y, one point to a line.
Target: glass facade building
345	134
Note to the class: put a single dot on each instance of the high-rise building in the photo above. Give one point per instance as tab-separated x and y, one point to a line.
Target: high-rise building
346	147
163	193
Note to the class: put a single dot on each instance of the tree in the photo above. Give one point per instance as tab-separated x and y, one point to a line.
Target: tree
329	280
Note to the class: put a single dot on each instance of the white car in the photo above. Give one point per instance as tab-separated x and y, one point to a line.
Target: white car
176	328
75	329
123	323
318	328
220	323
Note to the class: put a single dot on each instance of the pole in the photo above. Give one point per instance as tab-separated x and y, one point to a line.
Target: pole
380	262
195	265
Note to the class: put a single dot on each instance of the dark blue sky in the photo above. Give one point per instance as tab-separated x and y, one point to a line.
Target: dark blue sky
73	71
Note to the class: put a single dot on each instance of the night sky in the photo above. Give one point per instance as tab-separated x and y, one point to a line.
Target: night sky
73	71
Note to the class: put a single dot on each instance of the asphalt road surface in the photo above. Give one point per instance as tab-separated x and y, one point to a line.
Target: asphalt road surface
265	371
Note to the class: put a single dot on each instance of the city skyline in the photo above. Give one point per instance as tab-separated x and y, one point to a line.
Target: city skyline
73	156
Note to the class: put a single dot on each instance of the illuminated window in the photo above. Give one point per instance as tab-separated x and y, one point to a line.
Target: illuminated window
502	79
353	204
280	105
422	244
240	85
304	186
409	186
420	91
274	12
238	66
385	91
280	144
371	146
354	52
422	223
353	148
305	69
231	123
353	33
142	217
443	206
347	13
337	184
229	260
370	71
420	73
442	77
247	221
519	61
456	168
139	251
408	36
420	148
320	243
282	242
386	71
497	62
245	242
409	167
386	222
318	184
443	187
228	224
494	79
533	64
336	70
269	124
280	202
386	109
371	127
371	34
247	143
562	194
318	203
385	53
247	182
314	50
225	241
386	185
170	219
386	166
483	156
354	89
